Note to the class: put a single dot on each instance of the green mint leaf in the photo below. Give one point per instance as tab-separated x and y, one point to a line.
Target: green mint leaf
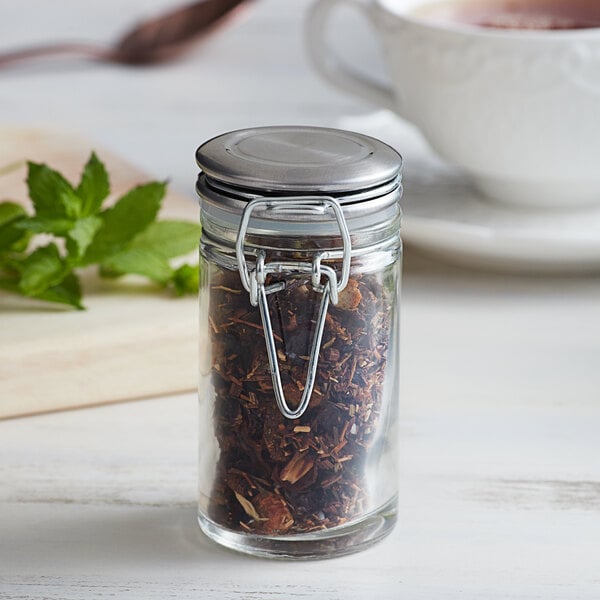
11	215
107	273
185	280
52	195
9	212
138	262
68	291
94	186
128	217
58	227
41	270
9	284
169	238
125	239
81	234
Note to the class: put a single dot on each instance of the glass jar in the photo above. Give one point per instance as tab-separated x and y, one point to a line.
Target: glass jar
299	304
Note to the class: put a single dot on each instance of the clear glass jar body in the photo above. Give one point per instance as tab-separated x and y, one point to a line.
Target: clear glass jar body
324	484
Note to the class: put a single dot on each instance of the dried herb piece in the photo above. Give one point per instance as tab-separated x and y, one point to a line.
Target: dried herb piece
278	476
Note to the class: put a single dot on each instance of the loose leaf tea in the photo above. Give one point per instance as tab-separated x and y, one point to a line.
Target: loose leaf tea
278	476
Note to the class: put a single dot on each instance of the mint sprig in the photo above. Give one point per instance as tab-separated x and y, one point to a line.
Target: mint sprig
123	239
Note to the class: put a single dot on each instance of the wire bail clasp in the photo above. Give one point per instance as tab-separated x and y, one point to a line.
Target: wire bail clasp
254	281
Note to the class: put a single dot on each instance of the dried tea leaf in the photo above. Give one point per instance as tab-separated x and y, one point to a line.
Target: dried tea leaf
302	429
247	506
298	467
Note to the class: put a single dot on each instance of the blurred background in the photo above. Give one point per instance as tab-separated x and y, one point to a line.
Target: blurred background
157	115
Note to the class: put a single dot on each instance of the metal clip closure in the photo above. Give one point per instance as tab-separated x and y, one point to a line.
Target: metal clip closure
254	283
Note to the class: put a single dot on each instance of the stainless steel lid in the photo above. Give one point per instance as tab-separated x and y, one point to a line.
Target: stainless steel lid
299	159
297	173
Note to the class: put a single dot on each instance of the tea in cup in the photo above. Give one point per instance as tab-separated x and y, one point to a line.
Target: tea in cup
516	14
509	90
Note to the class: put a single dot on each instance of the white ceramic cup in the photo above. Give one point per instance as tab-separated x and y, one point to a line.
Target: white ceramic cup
518	110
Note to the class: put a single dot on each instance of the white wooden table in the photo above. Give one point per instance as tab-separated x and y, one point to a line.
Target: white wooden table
500	470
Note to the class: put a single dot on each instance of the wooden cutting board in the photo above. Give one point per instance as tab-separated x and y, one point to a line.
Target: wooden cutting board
134	341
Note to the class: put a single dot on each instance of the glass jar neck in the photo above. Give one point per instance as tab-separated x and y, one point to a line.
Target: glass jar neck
372	217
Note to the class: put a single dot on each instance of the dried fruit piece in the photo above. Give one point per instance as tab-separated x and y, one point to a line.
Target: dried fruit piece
350	298
276	515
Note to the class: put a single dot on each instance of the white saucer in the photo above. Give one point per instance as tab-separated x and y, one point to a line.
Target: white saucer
446	217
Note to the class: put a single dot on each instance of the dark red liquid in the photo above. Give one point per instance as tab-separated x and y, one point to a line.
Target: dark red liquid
518	14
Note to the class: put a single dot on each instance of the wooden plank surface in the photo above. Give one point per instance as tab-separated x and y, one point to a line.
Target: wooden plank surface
132	342
496	502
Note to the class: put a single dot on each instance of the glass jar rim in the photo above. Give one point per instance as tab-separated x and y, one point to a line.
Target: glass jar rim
372	216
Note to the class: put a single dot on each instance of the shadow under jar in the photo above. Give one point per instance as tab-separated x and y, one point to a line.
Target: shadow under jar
299	312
